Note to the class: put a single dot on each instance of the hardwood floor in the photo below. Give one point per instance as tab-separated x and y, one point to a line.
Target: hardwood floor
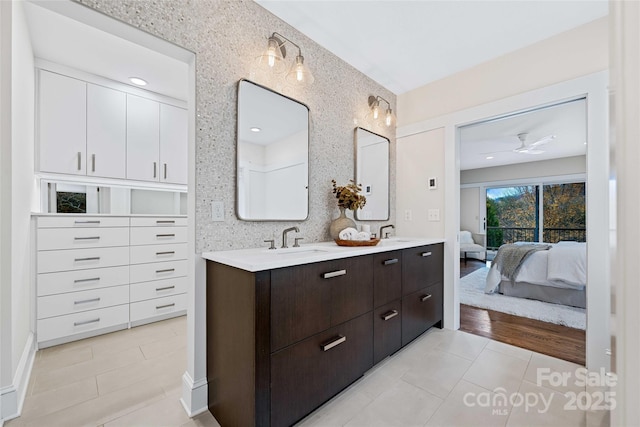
547	338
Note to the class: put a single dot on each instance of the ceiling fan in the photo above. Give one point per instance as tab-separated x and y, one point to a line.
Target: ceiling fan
530	148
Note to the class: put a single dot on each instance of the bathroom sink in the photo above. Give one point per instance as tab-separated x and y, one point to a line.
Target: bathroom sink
294	252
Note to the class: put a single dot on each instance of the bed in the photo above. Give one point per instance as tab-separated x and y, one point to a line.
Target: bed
555	273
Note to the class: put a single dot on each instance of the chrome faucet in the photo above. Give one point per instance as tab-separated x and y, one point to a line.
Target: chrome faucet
284	235
382	228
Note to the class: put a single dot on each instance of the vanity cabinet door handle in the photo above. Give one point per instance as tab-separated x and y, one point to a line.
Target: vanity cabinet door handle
334	342
165	221
389	315
93	163
158	307
86	322
334	274
390	261
87	238
425	297
93	258
165	235
155	170
79	160
165	288
166	270
426	254
86	301
87	222
165	253
165	171
93	279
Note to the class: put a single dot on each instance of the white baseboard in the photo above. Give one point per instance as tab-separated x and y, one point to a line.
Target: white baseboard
194	395
12	397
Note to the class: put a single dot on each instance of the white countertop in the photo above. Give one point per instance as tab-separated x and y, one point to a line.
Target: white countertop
107	215
259	259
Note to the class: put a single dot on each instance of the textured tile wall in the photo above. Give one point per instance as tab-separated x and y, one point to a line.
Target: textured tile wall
226	36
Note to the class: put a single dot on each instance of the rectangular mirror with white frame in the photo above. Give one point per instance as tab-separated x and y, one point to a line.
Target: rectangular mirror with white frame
272	156
372	172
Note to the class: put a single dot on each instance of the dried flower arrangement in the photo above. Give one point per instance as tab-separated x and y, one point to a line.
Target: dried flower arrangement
349	196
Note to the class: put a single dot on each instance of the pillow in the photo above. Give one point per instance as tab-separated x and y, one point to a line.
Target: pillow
466	238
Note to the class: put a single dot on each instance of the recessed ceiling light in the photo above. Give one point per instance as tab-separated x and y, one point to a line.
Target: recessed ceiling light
254	129
138	81
489	157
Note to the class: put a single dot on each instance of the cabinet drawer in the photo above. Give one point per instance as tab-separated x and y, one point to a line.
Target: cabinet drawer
157	271
387	277
81	221
71	281
65	238
158	307
77	323
158	222
307	374
158	235
158	288
387	330
81	259
421	266
156	253
307	299
76	302
420	311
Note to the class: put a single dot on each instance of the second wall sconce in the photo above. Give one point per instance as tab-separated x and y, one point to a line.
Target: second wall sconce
374	104
273	61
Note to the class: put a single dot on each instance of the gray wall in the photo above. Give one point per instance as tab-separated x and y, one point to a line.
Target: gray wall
543	168
226	37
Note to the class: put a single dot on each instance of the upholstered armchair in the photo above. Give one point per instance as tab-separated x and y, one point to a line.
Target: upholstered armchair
472	243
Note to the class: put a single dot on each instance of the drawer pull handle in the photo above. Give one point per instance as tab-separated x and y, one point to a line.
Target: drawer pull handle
86	322
166	235
93	258
389	315
87	222
165	288
87	238
93	279
334	342
424	298
165	253
426	253
390	261
158	307
166	270
86	301
334	274
165	221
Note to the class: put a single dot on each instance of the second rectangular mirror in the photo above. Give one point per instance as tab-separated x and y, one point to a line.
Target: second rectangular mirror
372	172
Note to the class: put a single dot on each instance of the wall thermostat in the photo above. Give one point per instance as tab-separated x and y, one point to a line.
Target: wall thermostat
433	183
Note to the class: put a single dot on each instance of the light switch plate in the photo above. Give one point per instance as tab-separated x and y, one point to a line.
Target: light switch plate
407	215
217	210
433	215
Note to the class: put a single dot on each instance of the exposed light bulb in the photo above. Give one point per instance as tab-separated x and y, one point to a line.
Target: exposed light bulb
387	119
299	74
271	57
376	112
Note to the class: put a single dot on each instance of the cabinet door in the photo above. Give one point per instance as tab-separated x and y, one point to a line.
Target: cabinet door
62	125
106	132
305	375
420	311
143	136
421	266
387	277
387	330
173	144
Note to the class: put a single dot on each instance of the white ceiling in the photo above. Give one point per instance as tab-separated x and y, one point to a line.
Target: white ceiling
497	138
406	44
68	42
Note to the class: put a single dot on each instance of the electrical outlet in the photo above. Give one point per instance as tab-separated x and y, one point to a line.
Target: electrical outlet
217	210
433	215
407	215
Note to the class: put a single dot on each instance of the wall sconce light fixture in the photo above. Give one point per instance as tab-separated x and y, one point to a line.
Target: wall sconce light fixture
374	104
273	61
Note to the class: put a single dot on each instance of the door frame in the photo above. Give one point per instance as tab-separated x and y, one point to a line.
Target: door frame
593	87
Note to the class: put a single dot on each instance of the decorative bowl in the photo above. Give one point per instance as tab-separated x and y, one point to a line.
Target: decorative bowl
371	242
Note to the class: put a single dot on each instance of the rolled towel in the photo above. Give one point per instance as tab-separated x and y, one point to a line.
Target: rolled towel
363	235
348	233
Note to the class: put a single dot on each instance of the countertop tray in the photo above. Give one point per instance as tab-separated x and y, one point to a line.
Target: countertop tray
371	242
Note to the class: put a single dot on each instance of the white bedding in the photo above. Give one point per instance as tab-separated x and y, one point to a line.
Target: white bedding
564	265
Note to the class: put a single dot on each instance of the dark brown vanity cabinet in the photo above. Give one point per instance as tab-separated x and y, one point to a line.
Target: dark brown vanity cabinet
282	342
422	278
